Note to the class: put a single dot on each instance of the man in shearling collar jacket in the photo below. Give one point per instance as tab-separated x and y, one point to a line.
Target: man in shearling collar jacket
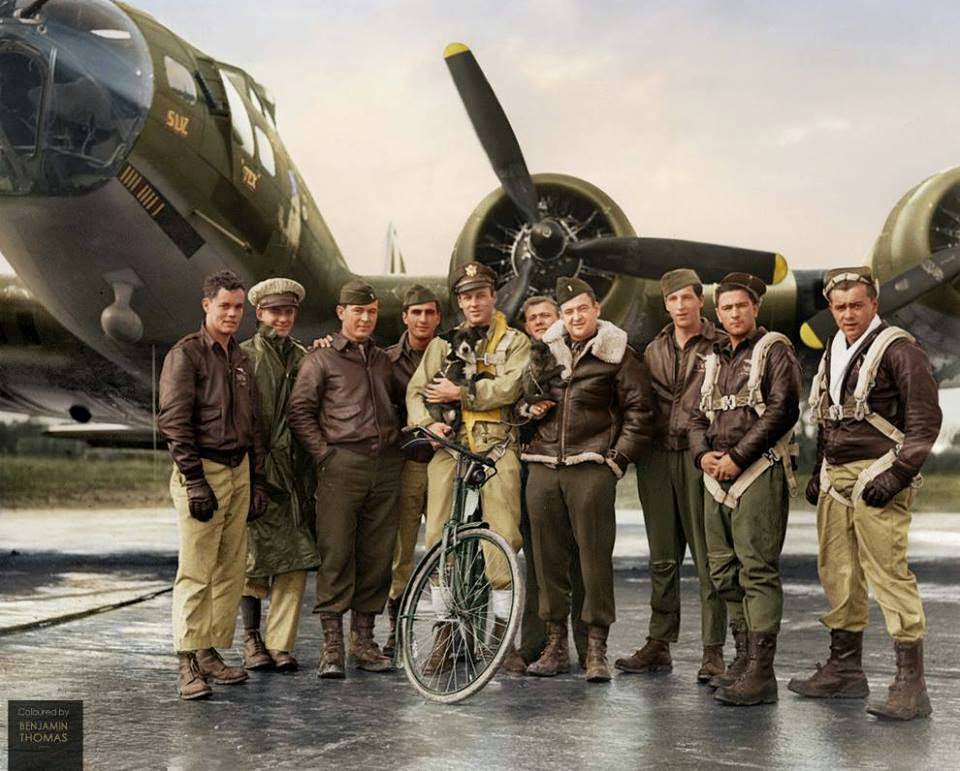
582	446
671	485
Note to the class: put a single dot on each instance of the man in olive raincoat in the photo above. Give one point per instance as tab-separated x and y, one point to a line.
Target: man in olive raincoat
280	545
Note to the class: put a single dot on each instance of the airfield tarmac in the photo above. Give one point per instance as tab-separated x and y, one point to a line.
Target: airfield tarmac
120	663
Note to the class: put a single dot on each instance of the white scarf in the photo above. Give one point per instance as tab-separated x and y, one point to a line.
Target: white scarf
841	355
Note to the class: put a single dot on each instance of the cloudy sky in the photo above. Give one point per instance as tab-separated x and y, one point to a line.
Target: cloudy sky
787	127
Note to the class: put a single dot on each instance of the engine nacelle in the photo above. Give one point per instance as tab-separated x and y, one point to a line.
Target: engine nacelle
497	235
925	220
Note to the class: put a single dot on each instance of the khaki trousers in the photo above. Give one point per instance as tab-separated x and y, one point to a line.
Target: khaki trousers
573	508
411	508
671	492
356	531
743	548
283	614
499	498
861	546
212	559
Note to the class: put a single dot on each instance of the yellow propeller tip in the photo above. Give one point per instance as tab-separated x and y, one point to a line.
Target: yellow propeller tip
780	269
809	337
453	49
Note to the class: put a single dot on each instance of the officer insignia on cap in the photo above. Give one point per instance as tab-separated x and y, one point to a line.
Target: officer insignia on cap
471	270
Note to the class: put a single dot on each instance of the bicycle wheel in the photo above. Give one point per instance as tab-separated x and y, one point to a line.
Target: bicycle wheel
455	625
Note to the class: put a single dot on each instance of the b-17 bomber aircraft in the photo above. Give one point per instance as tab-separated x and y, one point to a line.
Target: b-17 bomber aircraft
133	164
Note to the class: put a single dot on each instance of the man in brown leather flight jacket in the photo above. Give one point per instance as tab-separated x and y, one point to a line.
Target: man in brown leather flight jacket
582	446
342	411
877	406
421	317
208	416
671	486
740	437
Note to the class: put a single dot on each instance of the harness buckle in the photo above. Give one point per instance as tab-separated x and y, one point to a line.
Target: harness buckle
728	402
835	412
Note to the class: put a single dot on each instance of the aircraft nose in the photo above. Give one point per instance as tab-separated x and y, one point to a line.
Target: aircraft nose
76	83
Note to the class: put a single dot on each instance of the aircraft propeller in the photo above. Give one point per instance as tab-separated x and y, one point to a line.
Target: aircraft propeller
901	290
548	240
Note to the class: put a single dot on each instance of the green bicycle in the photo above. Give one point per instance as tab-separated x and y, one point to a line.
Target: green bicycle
455	621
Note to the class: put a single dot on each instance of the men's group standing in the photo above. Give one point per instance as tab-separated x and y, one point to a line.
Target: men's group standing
287	461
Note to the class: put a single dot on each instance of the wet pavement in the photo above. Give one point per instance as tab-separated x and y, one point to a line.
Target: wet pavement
121	664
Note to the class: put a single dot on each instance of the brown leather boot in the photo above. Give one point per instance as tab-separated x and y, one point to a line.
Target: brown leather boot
331	658
842	676
255	654
213	667
364	651
739	664
440	659
284	661
598	671
711	664
758	683
513	663
191	684
654	656
907	696
393	610
555	658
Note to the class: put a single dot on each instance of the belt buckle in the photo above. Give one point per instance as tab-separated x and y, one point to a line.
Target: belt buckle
728	402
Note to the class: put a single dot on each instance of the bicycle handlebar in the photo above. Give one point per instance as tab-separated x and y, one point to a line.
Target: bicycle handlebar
426	433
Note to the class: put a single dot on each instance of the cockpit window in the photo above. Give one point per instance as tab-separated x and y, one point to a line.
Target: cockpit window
75	90
21	89
180	80
233	84
265	147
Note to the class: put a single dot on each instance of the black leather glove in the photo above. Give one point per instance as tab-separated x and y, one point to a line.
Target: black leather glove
813	488
882	490
201	499
259	498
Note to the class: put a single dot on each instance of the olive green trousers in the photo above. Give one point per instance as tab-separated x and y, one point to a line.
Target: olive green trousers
356	530
671	493
411	509
743	549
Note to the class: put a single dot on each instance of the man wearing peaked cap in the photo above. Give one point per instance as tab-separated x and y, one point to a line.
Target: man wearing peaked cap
276	293
421	317
752	285
488	421
858	275
877	410
473	275
280	544
671	485
342	411
741	437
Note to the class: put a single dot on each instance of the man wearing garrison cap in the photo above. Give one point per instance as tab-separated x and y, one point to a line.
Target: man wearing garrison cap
741	437
876	404
671	486
421	317
280	544
582	446
342	411
487	422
